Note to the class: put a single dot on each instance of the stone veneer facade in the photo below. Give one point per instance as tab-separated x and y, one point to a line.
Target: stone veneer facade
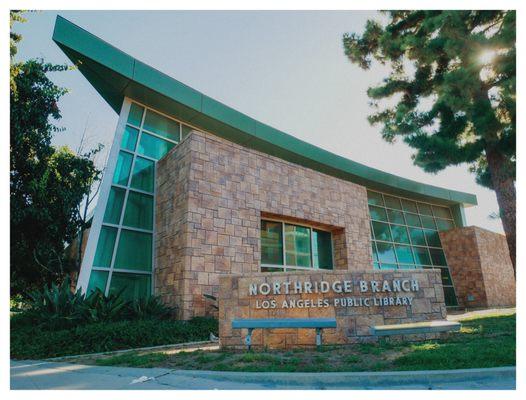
353	323
480	267
211	196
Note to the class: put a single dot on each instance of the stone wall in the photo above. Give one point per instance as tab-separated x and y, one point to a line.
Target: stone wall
480	267
211	196
353	322
172	251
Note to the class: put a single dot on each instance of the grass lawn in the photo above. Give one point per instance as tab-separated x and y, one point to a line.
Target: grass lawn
487	341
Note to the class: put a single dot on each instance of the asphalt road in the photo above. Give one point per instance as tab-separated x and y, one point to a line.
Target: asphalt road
57	375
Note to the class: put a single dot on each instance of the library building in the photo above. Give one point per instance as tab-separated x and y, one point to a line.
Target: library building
221	215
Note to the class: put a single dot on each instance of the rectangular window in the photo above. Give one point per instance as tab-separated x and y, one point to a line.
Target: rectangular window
129	138
133	286
271	243
162	126
97	280
285	245
112	215
122	170
321	249
134	251
135	115
143	174
154	147
297	246
105	246
139	211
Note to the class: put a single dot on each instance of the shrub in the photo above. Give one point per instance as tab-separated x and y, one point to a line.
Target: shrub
30	343
149	307
57	307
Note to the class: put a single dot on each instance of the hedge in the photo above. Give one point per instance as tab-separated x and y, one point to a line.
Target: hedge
30	343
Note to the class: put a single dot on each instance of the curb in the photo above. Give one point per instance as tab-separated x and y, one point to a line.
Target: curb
203	344
363	379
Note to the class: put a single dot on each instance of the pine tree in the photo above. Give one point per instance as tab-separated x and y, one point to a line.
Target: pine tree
452	79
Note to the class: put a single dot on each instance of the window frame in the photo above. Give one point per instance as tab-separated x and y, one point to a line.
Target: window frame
285	267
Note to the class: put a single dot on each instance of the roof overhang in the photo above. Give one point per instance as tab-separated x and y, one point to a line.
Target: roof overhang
115	75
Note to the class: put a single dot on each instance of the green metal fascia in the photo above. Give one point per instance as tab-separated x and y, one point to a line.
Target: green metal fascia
115	74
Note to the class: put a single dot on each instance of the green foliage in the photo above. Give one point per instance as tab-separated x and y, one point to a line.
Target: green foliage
484	341
134	360
28	342
58	307
98	307
452	106
150	307
47	184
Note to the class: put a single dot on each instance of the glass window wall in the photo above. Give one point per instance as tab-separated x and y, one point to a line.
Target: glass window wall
405	236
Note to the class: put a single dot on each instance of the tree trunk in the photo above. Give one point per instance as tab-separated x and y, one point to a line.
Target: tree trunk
504	187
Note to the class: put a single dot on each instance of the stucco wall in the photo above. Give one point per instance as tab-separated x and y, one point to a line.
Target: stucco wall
480	266
211	196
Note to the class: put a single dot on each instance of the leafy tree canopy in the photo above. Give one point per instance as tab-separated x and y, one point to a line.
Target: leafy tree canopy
452	83
47	184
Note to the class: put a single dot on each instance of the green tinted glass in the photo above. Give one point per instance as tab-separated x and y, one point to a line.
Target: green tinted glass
437	257
421	256
271	243
105	247
135	115
139	211
143	174
381	231
134	286
449	296
444	224
375	254
404	254
134	251
129	138
122	170
406	266
378	213
446	277
432	238
388	266
386	253
424	209
112	215
392	202
428	222
297	246
400	234
409	205
396	217
442	212
185	131
97	280
375	198
412	219
161	125
417	236
321	249
376	265
154	147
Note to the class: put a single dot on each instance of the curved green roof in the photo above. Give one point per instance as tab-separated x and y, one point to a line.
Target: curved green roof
115	74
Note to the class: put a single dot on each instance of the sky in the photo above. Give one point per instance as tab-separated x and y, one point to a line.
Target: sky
284	68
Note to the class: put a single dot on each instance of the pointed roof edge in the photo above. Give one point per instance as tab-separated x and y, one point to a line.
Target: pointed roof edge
115	75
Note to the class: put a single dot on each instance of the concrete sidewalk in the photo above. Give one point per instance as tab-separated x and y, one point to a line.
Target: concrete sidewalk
55	375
